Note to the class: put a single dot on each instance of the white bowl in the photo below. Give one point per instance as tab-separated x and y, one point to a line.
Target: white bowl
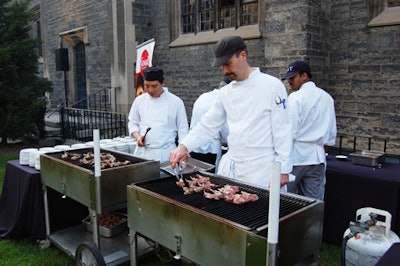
122	147
32	158
37	159
341	157
89	143
78	146
24	155
62	147
47	149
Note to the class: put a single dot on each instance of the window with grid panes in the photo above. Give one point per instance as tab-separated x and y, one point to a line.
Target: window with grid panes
212	15
187	10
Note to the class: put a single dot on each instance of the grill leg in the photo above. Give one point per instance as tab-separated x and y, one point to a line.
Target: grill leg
272	250
133	246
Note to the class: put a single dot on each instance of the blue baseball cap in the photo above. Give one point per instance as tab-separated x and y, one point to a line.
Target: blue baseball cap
297	67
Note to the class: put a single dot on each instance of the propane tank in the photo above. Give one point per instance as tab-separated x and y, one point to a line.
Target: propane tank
367	239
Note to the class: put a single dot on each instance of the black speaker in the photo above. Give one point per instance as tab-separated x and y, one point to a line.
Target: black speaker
62	61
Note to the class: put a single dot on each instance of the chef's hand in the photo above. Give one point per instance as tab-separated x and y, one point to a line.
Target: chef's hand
284	179
139	139
179	155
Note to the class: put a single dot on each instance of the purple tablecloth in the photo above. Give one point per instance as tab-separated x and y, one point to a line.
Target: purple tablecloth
391	256
351	187
22	207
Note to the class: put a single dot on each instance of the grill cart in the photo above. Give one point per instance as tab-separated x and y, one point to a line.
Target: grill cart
88	242
217	232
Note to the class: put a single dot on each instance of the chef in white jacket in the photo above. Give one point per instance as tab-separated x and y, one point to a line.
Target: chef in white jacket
211	151
255	107
314	126
159	112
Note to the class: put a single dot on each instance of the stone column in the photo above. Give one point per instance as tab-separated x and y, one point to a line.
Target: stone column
123	54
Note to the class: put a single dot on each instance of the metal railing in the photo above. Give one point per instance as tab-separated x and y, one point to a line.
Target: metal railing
78	124
93	112
98	100
352	143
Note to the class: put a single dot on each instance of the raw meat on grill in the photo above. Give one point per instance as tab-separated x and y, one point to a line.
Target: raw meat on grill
228	192
107	160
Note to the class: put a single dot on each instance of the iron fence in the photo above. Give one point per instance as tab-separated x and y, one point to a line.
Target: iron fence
97	100
78	124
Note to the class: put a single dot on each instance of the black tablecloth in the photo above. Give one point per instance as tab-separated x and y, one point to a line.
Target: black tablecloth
22	208
351	187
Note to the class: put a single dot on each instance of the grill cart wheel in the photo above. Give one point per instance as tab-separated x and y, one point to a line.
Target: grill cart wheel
87	254
164	254
44	244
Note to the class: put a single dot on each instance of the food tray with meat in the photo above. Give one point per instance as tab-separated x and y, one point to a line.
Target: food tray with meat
110	224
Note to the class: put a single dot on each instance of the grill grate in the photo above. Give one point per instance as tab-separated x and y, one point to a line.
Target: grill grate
251	214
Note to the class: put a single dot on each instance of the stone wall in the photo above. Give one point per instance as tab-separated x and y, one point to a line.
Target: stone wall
364	76
356	64
297	30
144	16
60	16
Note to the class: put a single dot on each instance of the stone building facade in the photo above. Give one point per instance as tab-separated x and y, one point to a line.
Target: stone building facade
354	56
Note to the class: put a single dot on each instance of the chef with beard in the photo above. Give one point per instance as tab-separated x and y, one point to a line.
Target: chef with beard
255	107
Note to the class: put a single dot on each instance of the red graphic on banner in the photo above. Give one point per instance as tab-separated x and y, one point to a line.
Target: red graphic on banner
144	62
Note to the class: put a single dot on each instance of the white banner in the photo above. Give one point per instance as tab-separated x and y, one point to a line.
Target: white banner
144	55
144	59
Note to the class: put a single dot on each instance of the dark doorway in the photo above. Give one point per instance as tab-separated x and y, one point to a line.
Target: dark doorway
80	74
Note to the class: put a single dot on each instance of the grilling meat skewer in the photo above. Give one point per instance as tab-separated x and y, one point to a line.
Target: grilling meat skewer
227	192
107	159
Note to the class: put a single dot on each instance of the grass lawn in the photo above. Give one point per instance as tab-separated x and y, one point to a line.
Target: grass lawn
15	252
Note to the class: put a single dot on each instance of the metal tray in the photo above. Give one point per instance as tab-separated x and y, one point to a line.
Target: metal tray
193	165
368	158
109	231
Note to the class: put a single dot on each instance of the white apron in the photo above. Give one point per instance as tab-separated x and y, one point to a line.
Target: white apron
251	166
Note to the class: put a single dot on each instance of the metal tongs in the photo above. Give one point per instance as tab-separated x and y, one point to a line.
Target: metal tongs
178	171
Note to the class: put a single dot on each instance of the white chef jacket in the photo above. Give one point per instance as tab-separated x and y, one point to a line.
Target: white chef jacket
166	115
200	107
257	115
314	124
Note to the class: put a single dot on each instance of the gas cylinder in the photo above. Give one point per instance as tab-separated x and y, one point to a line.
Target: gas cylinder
367	239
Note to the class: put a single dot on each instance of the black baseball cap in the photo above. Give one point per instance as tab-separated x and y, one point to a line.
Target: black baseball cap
297	67
225	48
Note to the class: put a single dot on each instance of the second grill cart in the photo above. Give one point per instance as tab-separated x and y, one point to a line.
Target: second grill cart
68	173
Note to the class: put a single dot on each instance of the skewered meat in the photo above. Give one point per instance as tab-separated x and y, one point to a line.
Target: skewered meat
180	183
107	160
228	192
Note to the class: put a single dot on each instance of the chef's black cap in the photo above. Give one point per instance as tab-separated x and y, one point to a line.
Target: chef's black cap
225	48
153	73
